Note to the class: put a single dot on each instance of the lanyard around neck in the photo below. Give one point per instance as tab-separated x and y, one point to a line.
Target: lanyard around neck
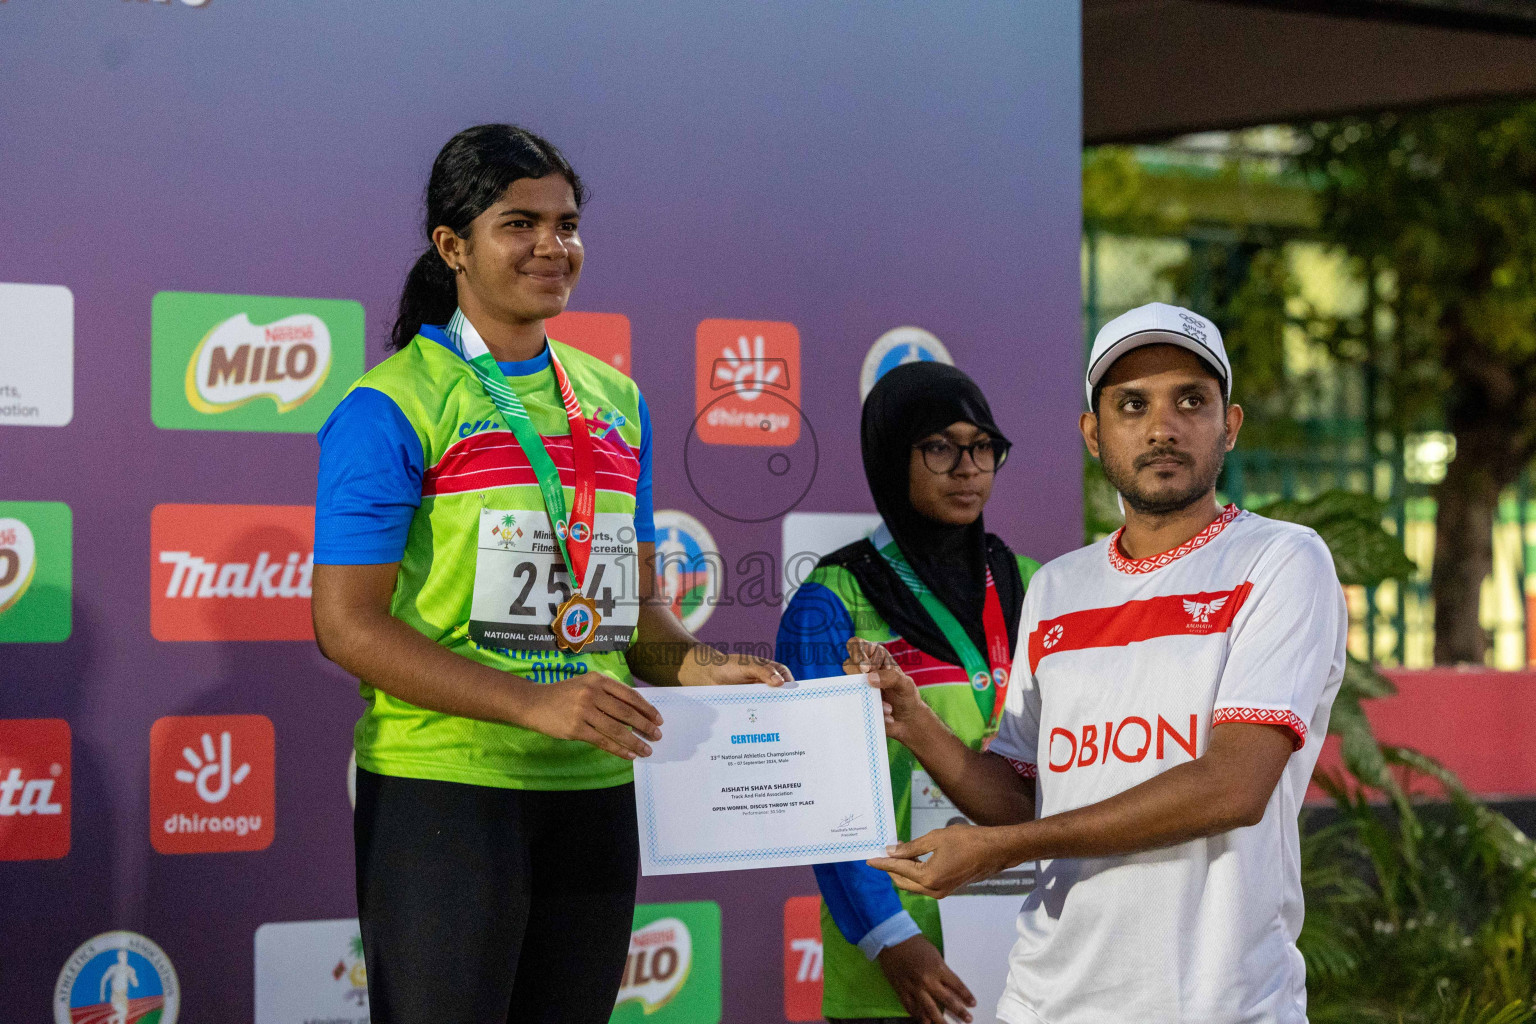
989	675
574	533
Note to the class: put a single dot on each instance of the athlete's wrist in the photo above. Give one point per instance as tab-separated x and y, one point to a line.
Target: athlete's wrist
518	700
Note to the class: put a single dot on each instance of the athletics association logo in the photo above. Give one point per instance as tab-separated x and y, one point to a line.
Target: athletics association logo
251	362
34	788
748	382
35	571
117	978
980	681
212	783
802	958
231	572
689	568
672	975
896	346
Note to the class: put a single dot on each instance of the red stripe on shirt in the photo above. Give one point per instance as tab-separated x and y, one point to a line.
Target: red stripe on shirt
1135	621
495	459
925	669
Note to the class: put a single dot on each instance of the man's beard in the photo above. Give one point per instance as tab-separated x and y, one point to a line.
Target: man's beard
1123	479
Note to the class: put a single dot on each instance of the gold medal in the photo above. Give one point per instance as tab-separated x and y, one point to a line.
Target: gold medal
575	623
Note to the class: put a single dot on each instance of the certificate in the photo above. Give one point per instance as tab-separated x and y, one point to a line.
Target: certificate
763	777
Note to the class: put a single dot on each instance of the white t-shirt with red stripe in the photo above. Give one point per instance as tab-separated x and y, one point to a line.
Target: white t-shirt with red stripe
1130	663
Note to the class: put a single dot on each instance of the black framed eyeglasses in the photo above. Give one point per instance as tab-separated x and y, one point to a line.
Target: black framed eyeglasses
943	456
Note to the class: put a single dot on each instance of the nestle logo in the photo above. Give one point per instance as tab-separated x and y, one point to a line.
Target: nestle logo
298	332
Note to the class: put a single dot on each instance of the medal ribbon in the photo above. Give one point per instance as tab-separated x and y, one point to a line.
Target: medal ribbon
576	551
996	666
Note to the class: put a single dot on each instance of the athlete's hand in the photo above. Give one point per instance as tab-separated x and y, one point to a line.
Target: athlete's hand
595	709
924	983
961	854
705	666
897	690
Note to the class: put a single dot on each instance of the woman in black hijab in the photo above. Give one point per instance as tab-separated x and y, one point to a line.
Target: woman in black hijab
944	596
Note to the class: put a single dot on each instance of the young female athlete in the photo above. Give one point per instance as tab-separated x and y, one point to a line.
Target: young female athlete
483	549
942	595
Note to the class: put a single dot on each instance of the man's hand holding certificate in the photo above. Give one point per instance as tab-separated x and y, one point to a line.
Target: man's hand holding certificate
758	776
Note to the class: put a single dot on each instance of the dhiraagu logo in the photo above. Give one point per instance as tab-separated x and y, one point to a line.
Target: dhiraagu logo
36	571
251	362
672	975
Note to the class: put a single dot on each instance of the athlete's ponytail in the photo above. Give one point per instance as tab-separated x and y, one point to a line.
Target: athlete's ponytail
470	173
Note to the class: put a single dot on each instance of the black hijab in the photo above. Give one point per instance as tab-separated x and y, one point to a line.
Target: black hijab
910	402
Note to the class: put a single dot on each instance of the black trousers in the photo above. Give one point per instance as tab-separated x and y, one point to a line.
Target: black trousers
493	906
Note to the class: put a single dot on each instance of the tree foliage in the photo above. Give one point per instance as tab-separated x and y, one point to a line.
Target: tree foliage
1415	913
1440	207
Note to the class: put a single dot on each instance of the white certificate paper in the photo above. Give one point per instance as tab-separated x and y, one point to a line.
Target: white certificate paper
764	777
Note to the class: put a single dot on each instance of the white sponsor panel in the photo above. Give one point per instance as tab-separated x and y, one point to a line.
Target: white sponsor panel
979	933
809	535
37	355
311	972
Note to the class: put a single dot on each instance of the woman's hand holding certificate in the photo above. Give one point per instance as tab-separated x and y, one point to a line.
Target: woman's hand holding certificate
758	776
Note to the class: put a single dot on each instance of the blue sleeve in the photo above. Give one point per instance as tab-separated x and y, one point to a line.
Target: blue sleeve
645	512
862	901
369	487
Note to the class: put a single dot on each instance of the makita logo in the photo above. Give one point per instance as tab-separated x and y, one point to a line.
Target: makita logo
269	576
29	796
231	572
34	788
238	362
1129	741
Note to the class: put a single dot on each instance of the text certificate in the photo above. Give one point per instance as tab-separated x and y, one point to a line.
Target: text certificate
764	777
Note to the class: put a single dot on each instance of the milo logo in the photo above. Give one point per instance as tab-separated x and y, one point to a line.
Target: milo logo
251	362
238	362
660	955
672	975
36	572
18	561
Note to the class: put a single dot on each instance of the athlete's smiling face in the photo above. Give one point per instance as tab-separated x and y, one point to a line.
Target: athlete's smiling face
1161	431
523	255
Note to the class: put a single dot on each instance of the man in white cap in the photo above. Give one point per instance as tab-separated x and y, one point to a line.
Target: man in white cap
1161	729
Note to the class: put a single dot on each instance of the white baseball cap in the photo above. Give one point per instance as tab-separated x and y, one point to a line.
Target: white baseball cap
1158	323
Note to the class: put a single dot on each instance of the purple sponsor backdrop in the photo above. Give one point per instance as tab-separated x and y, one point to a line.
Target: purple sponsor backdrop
844	167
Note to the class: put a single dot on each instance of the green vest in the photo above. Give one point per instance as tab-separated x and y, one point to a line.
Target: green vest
472	461
854	986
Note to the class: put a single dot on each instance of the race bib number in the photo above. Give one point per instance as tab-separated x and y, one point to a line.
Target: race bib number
521	581
931	809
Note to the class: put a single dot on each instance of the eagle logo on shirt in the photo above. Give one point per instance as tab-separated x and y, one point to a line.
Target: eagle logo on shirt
1201	611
